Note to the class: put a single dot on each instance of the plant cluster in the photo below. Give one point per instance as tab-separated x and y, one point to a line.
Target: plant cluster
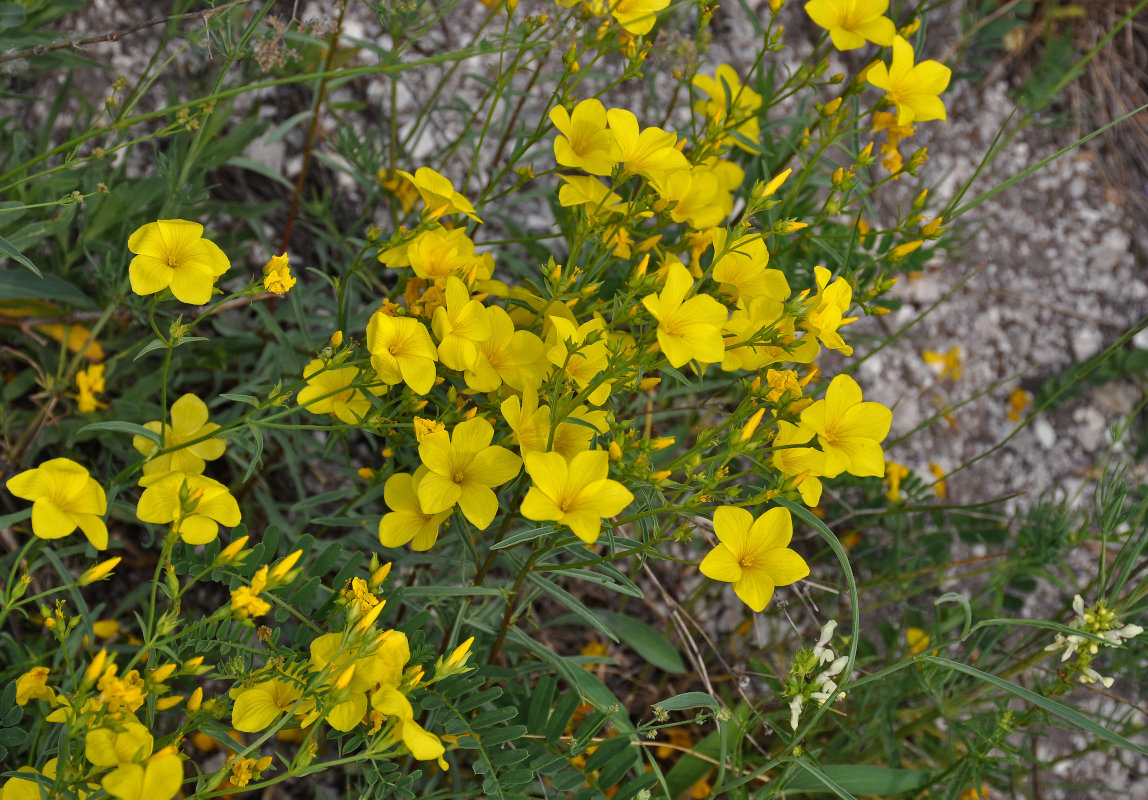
376	482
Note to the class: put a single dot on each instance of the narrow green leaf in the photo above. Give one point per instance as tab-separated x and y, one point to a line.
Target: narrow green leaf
646	642
8	520
242	398
1057	709
118	426
863	779
16	284
688	700
573	603
518	537
8	249
822	780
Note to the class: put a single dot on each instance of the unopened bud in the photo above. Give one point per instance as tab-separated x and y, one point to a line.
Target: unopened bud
99	571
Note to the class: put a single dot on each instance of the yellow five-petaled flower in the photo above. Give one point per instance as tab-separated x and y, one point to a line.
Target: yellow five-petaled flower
914	89
64	496
576	493
753	554
173	253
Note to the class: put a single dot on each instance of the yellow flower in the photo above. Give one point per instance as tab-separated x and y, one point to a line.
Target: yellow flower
121	741
587	190
939	485
90	382
827	311
158	779
917	640
637	16
437	253
583	360
406	521
851	23
462	468
260	705
1018	401
914	89
646	152
392	703
951	364
402	351
460	326
741	268
64	496
585	143
31	789
438	194
799	461
508	356
172	253
687	329
195	505
894	474
731	103
697	197
849	430
331	391
245	600
277	277
530	424
33	685
753	554
188	423
576	493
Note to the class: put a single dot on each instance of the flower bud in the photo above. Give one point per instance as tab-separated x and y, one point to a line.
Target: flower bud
99	571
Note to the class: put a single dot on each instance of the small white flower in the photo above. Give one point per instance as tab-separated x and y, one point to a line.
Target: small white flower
794	712
1089	675
1078	607
835	668
821	651
1127	632
828	690
1069	643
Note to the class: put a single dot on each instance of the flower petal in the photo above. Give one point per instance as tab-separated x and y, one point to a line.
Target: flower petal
721	565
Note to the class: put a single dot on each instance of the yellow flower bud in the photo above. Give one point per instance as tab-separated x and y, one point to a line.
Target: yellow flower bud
344	679
751	426
161	674
615	451
831	107
648	383
193	666
101	570
164	703
775	183
283	567
460	654
96	668
369	618
196	700
661	443
379	575
229	553
902	250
